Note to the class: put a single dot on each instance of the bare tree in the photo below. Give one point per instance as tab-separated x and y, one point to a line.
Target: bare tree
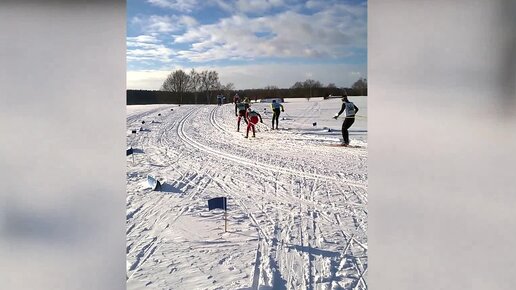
309	85
204	86
228	88
209	82
360	86
298	85
176	81
272	91
195	83
312	84
213	77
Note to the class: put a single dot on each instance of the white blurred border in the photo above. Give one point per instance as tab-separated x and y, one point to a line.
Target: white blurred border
62	124
442	139
441	144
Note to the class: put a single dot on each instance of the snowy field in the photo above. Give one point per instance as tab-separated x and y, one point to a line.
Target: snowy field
297	208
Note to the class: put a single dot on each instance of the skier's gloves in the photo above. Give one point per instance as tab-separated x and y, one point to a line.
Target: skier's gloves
283	110
336	116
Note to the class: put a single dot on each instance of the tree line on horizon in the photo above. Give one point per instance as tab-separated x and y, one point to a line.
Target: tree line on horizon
203	87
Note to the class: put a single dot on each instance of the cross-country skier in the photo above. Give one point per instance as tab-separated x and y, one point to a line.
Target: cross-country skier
275	106
219	99
241	107
351	111
252	119
236	100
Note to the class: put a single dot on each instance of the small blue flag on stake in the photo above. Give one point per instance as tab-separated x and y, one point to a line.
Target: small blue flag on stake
218	202
129	151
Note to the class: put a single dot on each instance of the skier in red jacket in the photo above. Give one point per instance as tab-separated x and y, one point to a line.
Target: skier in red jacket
252	118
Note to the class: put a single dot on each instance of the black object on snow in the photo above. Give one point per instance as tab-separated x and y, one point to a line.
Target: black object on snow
218	202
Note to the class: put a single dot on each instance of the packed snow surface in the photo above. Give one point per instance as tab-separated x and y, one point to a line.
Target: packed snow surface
297	208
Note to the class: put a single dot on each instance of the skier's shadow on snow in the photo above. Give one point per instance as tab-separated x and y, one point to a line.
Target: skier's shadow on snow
158	165
264	287
241	234
313	251
136	150
324	131
169	188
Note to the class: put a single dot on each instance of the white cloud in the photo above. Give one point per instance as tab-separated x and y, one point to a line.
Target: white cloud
179	5
333	32
146	80
258	75
329	33
158	24
257	6
188	21
249	6
147	48
314	4
155	23
223	4
143	39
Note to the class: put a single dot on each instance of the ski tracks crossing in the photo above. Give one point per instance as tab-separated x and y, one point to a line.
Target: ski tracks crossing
303	241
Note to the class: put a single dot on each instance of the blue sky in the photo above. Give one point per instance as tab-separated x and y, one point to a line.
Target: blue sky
251	43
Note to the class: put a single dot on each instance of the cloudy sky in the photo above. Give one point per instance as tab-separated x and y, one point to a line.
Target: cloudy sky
251	43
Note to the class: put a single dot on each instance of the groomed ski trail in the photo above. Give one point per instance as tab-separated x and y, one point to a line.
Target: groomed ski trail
293	224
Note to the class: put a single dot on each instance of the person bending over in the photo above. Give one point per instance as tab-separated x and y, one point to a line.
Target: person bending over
275	106
241	108
252	119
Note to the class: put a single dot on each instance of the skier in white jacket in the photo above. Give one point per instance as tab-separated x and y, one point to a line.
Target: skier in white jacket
351	111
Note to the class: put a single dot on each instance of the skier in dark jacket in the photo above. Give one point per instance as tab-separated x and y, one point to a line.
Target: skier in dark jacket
351	111
275	106
220	98
241	108
236	100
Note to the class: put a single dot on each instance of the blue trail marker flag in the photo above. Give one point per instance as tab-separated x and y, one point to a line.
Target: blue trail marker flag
129	151
218	202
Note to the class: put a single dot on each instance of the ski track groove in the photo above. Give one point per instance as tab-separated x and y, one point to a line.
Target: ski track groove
200	189
273	261
261	234
257	164
313	220
262	231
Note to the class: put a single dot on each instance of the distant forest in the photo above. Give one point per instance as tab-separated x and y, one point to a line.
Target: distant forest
203	88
